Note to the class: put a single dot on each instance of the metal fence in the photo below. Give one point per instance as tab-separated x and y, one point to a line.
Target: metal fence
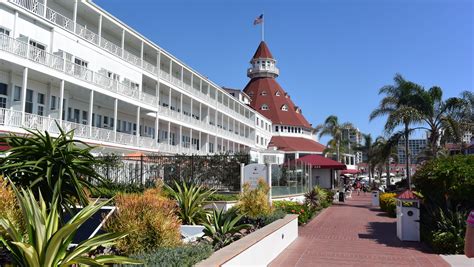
220	172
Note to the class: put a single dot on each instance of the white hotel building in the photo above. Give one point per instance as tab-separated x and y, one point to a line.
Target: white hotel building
71	61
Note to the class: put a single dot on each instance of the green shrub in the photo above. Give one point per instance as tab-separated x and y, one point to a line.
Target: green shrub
110	189
223	197
224	228
447	182
191	201
149	219
388	203
448	229
327	197
304	212
254	202
187	255
263	220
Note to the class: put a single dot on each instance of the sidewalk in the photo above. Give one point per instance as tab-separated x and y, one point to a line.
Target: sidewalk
353	234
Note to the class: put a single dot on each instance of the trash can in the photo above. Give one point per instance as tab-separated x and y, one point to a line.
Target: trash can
375	198
408	216
341	196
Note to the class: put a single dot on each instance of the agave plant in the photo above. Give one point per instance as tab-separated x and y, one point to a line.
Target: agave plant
312	198
190	202
223	228
39	161
47	243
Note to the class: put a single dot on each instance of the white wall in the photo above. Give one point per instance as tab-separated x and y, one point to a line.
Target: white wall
321	177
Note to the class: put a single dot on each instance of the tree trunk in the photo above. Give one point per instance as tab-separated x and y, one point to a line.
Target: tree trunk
407	154
387	182
337	151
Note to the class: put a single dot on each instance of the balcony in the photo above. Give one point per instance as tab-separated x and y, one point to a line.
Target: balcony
86	34
13	119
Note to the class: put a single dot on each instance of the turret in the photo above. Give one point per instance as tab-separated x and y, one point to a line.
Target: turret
263	64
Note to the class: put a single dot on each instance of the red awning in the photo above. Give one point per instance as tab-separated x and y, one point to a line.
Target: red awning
320	162
349	171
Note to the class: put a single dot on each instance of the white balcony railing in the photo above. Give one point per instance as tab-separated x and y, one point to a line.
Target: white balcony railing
13	119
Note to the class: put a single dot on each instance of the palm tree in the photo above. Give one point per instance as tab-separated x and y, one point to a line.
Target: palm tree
367	149
332	127
441	118
385	150
400	104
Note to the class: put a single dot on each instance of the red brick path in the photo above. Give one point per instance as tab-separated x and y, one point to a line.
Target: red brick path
353	234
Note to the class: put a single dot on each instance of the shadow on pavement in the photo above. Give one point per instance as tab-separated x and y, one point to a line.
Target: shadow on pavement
385	233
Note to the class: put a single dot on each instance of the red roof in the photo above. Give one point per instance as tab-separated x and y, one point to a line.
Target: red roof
267	91
262	51
407	195
285	143
320	162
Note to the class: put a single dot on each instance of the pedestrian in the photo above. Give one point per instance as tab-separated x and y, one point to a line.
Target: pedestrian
358	187
469	239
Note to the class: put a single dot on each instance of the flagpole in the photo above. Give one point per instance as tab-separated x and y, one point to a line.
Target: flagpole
263	27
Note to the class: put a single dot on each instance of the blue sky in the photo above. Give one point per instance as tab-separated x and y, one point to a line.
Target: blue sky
333	55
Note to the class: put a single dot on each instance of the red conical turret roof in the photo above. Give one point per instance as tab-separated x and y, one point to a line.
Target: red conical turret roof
262	51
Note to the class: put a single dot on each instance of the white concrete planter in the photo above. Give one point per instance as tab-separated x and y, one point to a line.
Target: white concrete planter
220	205
258	248
191	233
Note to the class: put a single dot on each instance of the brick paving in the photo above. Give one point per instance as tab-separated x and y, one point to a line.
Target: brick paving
354	234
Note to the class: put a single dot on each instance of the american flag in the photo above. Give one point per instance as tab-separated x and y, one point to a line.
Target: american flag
258	20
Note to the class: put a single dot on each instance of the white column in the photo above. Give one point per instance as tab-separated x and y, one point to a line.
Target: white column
157	93
191	108
45	7
115	118
158	64
123	41
100	29
74	14
157	125
61	101
169	133
15	23
138	123
200	112
215	143
23	94
199	141
207	144
180	137
181	103
182	75
169	98
91	110
191	138
141	53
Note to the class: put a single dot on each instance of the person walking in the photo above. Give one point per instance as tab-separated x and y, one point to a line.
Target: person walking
469	239
358	187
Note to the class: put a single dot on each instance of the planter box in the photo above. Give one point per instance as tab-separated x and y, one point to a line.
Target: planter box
220	205
258	248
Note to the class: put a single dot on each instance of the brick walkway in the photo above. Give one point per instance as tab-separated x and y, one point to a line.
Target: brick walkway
353	234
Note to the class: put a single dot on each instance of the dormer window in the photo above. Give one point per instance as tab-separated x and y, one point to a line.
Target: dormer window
284	107
277	93
264	107
264	93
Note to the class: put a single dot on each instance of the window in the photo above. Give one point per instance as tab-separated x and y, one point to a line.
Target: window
29	101
276	128
264	107
3	102
106	121
284	107
37	45
211	147
40	99
3	89
264	93
52	104
257	139
77	113
84	117
40	110
277	93
4	31
81	62
17	94
113	76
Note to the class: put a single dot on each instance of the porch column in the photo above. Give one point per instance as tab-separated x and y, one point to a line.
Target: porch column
192	108
23	94
215	144
180	138
45	7
141	53
158	64
207	144
181	103
138	124
169	98
100	29
182	76
200	112
157	93
91	110
199	141
115	118
169	133
74	15
191	138
61	101
157	125
122	44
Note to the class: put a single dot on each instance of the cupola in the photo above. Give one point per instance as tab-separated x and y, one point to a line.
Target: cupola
263	64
